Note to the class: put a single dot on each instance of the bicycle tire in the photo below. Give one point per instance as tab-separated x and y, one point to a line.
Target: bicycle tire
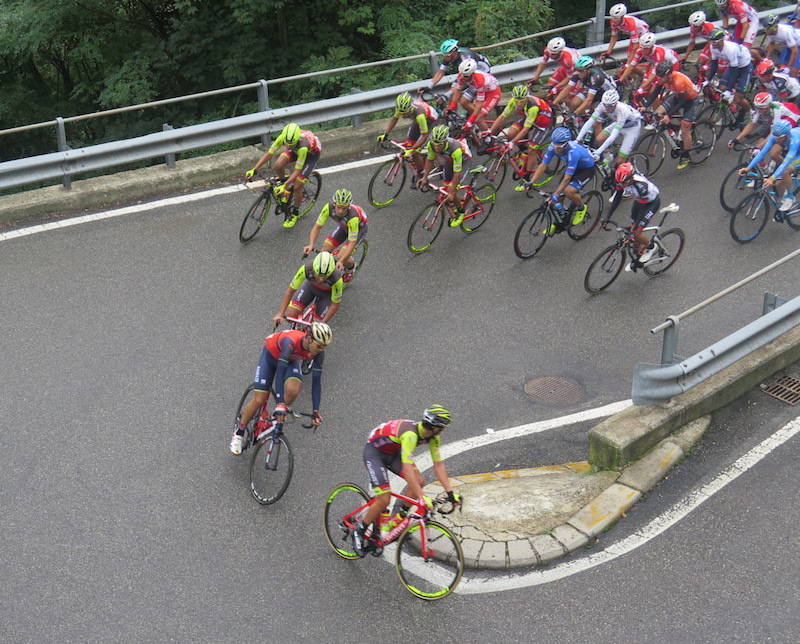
733	189
342	499
436	573
311	189
641	164
654	147
382	176
495	173
749	218
667	252
255	218
485	198
607	265
792	219
532	230
594	202
267	458
359	255
430	220
704	139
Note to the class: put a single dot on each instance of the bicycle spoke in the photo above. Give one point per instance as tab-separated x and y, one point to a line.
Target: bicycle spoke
434	573
386	183
342	500
532	233
254	218
670	245
604	269
271	468
479	208
425	228
749	218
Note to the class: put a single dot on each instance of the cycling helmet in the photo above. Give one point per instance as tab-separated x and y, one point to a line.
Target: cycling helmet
771	22
721	3
610	97
448	46
584	62
781	128
324	264
623	172
762	100
291	134
716	35
556	45
647	39
439	134
342	197
663	68
519	92
697	18
561	135
618	11
766	66
321	333
404	102
436	416
467	67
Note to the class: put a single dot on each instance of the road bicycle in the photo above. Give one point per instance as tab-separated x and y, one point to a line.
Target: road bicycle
359	256
721	111
604	170
272	462
750	216
477	204
503	155
735	187
390	177
256	216
534	230
606	267
428	557
663	137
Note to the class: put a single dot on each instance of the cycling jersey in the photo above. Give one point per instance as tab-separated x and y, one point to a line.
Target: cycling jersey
622	118
791	157
567	57
596	83
786	36
656	54
464	54
535	111
776	111
423	114
781	86
282	352
308	145
680	85
740	10
332	284
454	152
646	201
734	54
575	157
352	221
702	30
630	26
402	436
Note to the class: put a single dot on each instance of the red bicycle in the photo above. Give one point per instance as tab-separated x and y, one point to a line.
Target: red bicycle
390	177
428	558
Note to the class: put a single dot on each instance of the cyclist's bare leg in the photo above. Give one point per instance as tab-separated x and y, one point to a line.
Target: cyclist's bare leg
375	510
640	242
298	191
291	389
280	164
252	406
574	196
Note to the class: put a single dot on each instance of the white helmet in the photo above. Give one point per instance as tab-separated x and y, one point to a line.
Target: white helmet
697	18
618	11
647	39
610	97
556	45
321	333
467	67
721	3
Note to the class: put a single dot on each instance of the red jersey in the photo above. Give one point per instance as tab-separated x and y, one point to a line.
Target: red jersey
287	345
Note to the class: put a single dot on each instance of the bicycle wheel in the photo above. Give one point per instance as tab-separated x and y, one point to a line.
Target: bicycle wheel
255	218
485	198
311	190
434	573
341	501
792	218
495	173
271	468
359	255
654	147
704	138
425	228
670	245
386	183
594	208
749	218
734	188
532	233
641	164
604	269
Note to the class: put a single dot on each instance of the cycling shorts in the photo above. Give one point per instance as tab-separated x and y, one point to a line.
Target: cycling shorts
537	135
311	161
581	178
688	107
268	367
308	293
738	78
340	235
642	213
560	74
746	37
378	465
629	136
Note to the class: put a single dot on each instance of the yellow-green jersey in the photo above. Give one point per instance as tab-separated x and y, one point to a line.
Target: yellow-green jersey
422	113
307	146
353	220
454	151
333	283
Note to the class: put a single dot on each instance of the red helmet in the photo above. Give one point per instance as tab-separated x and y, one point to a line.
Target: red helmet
762	100
766	66
623	173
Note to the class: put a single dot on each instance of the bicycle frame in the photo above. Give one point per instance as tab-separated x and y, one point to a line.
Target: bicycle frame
441	199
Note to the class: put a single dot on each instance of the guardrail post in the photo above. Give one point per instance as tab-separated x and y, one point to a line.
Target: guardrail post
434	60
263	106
170	158
596	31
771	302
670	342
61	139
358	120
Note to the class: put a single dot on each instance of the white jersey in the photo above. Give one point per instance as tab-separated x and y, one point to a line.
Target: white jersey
734	54
623	115
642	189
786	36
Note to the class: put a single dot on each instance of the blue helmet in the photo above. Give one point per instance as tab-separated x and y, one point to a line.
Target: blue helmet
561	135
781	128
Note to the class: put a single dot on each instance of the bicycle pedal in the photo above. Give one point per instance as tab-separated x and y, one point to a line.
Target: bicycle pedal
377	551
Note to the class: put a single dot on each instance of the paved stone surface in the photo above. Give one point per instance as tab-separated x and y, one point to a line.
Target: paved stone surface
521	553
688	435
604	510
547	548
652	467
493	555
569	537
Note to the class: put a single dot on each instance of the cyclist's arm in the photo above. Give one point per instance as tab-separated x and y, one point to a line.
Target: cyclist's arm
314	232
277	143
458	163
762	154
286	346
538	72
438	76
422	123
530	118
390	125
613	131
316	380
412	476
615	201
353	227
790	157
508	111
297	280
587	126
540	169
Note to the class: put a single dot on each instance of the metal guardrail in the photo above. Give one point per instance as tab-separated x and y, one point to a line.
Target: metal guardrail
67	162
654	384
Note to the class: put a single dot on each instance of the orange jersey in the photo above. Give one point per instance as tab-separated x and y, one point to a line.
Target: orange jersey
680	84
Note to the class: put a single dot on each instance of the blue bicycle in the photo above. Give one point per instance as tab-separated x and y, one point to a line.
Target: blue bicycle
750	216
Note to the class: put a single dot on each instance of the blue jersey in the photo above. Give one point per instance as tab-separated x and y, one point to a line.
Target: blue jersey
575	157
792	155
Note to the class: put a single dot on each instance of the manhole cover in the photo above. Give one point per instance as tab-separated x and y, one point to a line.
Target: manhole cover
554	390
785	388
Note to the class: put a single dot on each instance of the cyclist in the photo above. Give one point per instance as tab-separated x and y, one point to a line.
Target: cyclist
788	138
644	61
781	86
585	87
485	86
684	96
316	280
578	171
302	147
351	229
424	116
452	57
566	57
767	112
453	156
618	118
699	26
630	26
646	202
390	448
280	362
739	69
530	114
787	38
746	20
